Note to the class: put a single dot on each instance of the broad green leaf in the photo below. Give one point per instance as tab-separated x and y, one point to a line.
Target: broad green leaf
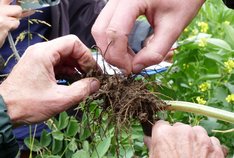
72	128
219	43
101	148
229	34
45	139
63	120
72	145
230	87
57	146
34	145
86	145
209	124
215	57
84	133
81	154
58	135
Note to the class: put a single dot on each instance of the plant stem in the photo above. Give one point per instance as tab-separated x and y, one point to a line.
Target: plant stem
12	45
201	109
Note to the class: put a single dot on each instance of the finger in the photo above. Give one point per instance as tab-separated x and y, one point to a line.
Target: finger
159	124
11	10
119	54
178	124
117	34
199	129
162	122
2	39
215	141
101	24
123	55
218	150
56	50
225	150
79	90
147	141
10	23
169	57
156	49
133	10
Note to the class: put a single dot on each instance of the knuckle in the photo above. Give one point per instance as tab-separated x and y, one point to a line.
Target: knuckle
215	140
156	58
199	129
18	10
206	143
113	33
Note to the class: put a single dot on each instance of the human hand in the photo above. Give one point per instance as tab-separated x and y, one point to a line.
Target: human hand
182	141
9	18
168	18
31	92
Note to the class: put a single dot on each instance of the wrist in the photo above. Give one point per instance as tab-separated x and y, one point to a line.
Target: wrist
8	101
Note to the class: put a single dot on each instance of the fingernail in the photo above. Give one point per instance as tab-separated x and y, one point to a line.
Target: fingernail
137	68
94	86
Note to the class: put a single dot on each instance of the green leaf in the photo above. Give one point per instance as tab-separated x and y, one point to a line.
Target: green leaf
63	120
72	145
230	87
36	146
101	148
57	146
81	154
229	34
72	128
215	57
219	43
86	145
209	77
58	135
45	139
51	156
84	133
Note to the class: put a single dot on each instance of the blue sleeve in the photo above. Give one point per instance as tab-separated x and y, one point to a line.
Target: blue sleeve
139	33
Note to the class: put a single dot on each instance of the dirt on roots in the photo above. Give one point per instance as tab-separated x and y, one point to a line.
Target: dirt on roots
129	99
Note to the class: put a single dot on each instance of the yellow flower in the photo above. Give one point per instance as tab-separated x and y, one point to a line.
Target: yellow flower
185	66
186	30
200	100
203	26
202	42
204	86
227	22
230	98
229	65
195	31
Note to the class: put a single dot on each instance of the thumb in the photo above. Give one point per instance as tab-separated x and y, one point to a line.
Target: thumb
79	90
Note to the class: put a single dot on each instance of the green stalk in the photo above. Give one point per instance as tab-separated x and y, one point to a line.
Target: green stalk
201	109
